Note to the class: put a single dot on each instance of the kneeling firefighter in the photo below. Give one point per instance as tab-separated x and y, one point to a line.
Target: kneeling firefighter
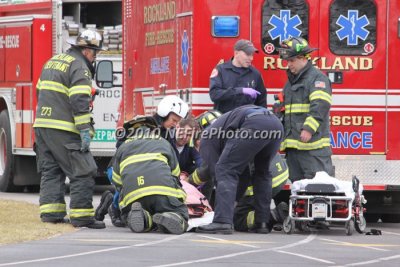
170	111
145	172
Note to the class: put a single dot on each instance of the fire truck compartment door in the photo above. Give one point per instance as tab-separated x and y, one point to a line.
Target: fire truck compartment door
18	53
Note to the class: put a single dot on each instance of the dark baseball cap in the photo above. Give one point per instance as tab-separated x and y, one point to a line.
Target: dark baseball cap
245	46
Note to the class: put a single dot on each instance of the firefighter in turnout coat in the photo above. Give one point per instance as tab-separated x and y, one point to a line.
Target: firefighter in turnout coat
307	101
63	135
145	172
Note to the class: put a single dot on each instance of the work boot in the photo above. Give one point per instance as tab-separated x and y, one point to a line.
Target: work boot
171	221
139	220
89	224
46	219
216	228
278	215
261	228
105	202
115	215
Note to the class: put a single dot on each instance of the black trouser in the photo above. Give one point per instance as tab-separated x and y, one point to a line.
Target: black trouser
159	204
58	155
235	157
303	164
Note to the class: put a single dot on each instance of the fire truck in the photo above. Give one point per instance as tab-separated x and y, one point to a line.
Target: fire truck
172	46
31	32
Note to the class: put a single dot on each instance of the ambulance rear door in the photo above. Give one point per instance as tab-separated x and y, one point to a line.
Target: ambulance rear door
353	54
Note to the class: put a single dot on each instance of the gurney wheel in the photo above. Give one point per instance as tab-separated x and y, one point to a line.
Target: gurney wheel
302	226
360	224
349	227
288	225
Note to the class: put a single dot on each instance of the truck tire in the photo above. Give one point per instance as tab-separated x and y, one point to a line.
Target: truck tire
6	156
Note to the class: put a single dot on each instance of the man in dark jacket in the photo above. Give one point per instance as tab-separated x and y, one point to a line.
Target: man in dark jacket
63	133
188	156
246	134
307	101
236	83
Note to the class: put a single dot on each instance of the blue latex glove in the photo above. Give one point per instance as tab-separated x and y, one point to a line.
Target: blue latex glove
85	137
250	92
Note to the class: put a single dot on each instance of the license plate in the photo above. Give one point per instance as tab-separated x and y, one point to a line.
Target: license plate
319	210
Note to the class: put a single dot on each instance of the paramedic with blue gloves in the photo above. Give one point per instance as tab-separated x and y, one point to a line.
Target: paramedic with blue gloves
236	83
228	146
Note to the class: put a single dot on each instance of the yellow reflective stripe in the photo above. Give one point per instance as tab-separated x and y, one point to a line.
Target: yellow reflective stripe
278	180
82	119
76	213
80	89
142	157
177	171
152	190
296	144
297	108
149	221
249	191
196	178
116	178
55	124
191	142
250	219
53	208
53	86
313	123
38	84
319	94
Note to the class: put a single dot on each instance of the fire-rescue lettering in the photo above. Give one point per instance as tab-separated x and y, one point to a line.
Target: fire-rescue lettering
160	37
347	63
159	12
10	41
351	120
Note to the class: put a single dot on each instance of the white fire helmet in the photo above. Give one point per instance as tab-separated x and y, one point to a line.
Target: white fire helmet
172	103
89	39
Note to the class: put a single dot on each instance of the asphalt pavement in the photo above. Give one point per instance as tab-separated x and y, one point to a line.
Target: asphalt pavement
121	247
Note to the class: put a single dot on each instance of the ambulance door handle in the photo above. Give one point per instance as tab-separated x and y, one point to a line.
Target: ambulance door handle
187	95
398	28
181	94
335	76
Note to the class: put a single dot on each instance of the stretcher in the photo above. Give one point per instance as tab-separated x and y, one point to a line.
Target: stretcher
326	201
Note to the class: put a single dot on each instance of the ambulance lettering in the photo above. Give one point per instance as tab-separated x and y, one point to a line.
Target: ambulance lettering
353	140
159	65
